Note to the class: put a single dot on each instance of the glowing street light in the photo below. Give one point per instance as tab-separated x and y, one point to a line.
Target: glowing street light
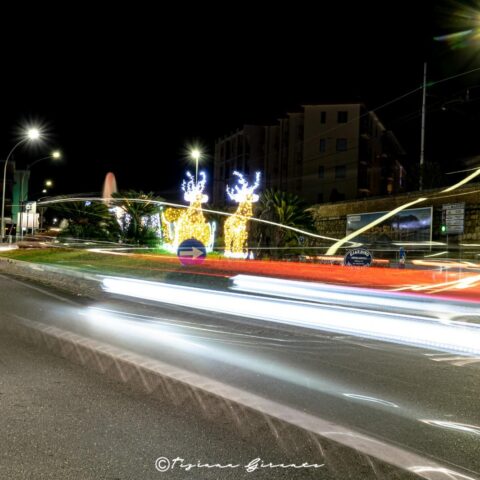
44	190
31	135
196	154
55	155
48	183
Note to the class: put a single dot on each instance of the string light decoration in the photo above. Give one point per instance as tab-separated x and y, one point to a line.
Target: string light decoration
169	217
235	228
191	223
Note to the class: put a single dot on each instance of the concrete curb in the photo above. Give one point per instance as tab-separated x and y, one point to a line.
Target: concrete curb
64	278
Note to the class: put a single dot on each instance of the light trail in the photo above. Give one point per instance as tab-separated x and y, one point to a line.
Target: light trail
352	296
459	284
390	327
178	205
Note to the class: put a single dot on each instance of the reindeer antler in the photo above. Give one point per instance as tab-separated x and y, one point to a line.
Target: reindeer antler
257	182
190	186
201	184
242	189
193	190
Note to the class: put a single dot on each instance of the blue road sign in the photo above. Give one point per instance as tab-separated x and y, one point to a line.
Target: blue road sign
358	257
191	252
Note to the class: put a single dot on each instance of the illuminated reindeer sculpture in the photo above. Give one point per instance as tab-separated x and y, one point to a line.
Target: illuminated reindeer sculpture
235	229
191	223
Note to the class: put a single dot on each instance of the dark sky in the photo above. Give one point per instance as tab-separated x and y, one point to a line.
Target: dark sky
126	89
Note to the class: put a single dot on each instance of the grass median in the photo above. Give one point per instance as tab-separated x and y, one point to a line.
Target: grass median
149	266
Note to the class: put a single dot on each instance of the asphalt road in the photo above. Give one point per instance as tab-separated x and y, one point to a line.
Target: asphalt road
421	400
62	421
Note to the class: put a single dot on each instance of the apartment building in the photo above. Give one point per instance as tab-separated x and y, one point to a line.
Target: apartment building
323	153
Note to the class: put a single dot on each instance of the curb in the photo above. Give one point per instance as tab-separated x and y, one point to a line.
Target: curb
64	278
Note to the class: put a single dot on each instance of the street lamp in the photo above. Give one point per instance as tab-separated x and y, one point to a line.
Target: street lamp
55	155
48	183
31	134
196	154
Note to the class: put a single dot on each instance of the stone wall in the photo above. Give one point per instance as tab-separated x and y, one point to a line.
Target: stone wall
331	218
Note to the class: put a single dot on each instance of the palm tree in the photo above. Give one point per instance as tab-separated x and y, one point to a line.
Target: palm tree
138	221
285	209
87	220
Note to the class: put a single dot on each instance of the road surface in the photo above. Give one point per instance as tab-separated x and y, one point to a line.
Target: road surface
423	401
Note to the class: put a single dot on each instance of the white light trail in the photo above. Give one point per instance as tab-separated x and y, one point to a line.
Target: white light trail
349	296
461	427
397	328
370	399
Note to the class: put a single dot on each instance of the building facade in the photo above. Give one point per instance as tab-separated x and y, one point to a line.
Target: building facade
324	153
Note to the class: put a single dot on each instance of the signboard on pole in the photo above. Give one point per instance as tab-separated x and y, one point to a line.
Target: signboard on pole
358	257
453	218
410	225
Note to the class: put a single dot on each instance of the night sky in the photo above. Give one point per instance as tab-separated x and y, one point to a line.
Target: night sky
127	89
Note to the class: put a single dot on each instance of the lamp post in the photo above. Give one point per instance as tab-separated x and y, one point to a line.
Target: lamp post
196	154
31	134
422	136
55	155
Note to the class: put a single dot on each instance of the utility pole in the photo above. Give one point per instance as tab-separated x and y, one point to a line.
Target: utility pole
422	138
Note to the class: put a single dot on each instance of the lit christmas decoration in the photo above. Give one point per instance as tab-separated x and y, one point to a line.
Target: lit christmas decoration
235	229
153	222
169	217
190	223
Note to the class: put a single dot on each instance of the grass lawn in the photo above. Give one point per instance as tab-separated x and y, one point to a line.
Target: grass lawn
153	266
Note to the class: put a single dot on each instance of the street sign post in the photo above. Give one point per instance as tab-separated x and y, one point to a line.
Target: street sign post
191	252
453	218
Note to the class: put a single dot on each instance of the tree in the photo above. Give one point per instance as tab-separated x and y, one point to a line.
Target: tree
87	220
140	216
285	209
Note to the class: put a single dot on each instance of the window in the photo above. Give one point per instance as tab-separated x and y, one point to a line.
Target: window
322	146
340	171
321	171
323	117
342	117
341	144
